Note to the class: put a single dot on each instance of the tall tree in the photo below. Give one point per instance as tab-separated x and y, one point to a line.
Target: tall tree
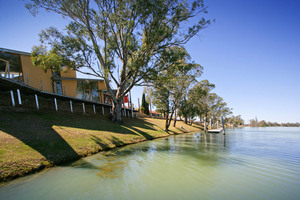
145	105
208	105
105	34
199	96
187	109
235	120
172	83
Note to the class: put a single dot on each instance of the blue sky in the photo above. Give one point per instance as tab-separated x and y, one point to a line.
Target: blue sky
251	53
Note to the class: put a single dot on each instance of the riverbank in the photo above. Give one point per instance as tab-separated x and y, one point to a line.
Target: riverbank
33	140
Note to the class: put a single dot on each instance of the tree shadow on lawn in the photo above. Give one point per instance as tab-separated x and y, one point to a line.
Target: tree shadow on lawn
39	135
35	129
114	141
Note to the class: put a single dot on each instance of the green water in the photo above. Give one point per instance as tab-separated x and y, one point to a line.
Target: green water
248	163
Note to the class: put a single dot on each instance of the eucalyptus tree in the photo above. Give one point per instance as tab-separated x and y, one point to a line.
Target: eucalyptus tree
199	95
207	104
217	107
105	35
235	120
171	84
187	109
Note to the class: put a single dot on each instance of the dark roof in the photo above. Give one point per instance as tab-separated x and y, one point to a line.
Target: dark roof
3	50
69	78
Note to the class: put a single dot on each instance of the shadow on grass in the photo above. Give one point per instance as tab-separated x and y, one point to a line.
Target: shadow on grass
39	135
114	141
35	129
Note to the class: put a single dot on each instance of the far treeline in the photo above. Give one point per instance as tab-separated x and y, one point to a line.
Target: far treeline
263	123
237	121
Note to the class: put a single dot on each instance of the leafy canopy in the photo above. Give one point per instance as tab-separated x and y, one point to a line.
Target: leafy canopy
117	40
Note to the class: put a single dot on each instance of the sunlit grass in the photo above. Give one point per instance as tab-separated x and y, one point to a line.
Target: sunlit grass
32	140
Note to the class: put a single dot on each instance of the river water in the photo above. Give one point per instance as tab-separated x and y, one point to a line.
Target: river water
248	163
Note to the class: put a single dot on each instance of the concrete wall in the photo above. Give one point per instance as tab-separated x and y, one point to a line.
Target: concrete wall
35	75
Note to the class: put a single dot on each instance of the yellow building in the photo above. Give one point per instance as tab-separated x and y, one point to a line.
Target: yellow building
17	66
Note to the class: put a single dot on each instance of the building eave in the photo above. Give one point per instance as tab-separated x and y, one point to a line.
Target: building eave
3	50
69	78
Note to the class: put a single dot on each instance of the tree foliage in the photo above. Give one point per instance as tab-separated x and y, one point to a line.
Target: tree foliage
172	83
254	122
145	105
203	103
235	120
104	35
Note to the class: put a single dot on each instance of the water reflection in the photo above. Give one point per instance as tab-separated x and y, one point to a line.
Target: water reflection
243	164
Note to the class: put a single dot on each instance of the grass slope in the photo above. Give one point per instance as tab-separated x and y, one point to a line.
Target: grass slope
32	140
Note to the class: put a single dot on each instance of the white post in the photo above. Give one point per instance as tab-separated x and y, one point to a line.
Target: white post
131	104
83	107
210	123
124	109
223	126
55	104
94	109
102	110
71	106
37	102
139	105
12	98
19	97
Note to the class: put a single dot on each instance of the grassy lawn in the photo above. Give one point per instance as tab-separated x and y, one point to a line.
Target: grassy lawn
32	140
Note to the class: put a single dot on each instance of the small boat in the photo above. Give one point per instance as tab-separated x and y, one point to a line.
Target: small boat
215	130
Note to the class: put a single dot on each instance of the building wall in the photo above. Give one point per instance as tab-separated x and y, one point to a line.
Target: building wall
35	75
101	86
69	73
69	86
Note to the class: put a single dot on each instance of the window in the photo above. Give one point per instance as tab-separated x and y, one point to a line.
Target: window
58	87
10	66
87	90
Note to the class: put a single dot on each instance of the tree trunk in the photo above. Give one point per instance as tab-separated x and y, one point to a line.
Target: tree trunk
117	112
175	119
167	120
205	128
185	119
171	117
167	117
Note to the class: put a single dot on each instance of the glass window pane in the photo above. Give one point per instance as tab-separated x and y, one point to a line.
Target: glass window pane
10	66
87	90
